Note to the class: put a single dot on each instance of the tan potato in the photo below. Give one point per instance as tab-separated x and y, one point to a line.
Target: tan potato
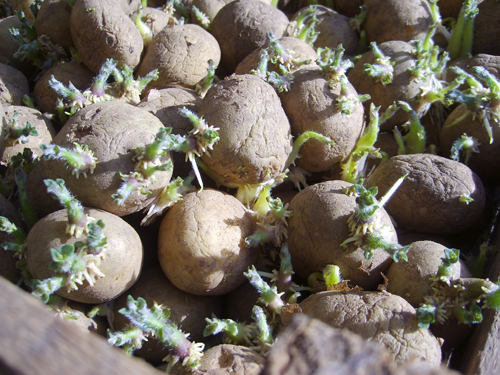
429	199
53	20
378	317
101	30
201	243
181	54
317	228
13	85
255	135
121	265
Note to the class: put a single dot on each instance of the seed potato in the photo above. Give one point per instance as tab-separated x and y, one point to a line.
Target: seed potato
53	20
429	199
13	85
201	243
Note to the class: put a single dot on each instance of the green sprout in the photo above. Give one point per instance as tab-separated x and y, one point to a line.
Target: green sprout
466	144
16	133
414	142
79	160
303	26
382	69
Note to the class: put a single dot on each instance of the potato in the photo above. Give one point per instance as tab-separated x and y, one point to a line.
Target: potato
297	48
101	30
187	311
225	359
378	317
241	26
154	18
42	125
397	20
113	130
485	27
9	44
485	163
201	243
430	199
403	87
13	85
312	105
411	280
209	7
121	265
255	136
53	20
317	228
181	54
71	71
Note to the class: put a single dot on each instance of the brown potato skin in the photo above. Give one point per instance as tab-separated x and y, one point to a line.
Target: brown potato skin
13	85
311	105
113	130
317	228
241	26
379	317
8	259
121	265
255	135
201	243
181	54
53	20
101	30
486	27
428	199
396	20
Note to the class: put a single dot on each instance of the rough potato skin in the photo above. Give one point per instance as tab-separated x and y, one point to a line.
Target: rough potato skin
201	243
13	85
403	87
101	30
181	54
311	105
113	130
317	228
53	20
255	135
410	279
241	26
428	199
379	317
396	20
486	27
121	265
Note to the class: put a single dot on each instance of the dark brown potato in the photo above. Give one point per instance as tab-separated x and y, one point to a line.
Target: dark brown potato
53	20
255	136
396	20
317	228
429	199
8	259
101	30
181	54
13	85
187	311
379	317
312	105
76	73
241	26
403	87
201	243
9	45
486	27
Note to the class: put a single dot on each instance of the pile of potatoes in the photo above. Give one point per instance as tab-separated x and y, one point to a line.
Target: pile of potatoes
193	257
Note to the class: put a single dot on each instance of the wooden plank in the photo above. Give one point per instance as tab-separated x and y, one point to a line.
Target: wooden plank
35	342
482	356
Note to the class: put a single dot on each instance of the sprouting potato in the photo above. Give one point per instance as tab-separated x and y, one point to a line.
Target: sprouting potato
53	20
13	85
255	135
438	196
317	229
181	54
101	30
201	243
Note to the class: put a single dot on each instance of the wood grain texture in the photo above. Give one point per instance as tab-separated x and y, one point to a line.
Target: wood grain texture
35	342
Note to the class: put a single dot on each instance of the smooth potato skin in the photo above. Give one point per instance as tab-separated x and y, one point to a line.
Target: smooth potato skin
317	228
113	130
428	199
380	317
181	54
201	243
121	265
101	30
255	135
